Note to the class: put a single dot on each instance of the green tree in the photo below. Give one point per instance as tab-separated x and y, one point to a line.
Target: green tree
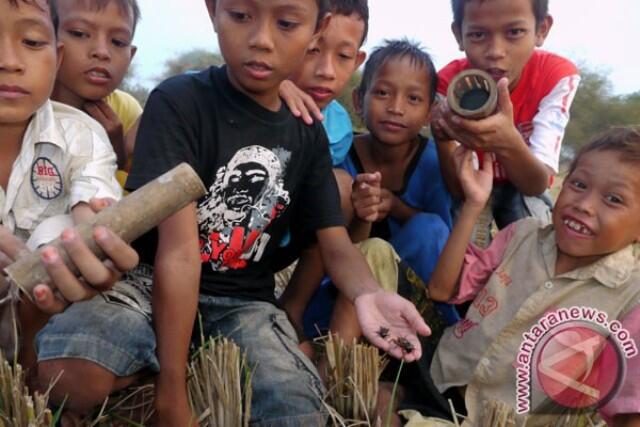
192	60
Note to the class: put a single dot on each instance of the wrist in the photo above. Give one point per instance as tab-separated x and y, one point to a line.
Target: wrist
472	208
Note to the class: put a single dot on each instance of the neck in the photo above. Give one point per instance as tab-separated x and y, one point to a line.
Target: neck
392	154
268	99
66	96
566	263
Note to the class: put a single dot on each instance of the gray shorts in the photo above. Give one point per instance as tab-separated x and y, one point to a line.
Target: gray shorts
113	329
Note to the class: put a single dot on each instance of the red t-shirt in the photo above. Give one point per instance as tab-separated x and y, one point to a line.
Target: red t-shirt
541	102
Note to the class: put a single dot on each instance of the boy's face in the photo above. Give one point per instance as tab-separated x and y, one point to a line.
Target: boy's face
499	36
98	48
29	58
397	104
332	59
598	209
263	42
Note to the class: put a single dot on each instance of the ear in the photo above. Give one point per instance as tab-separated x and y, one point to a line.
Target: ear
211	8
543	30
60	54
134	49
357	102
457	33
360	57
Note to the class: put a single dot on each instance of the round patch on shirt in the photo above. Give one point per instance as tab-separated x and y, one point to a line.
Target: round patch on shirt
45	179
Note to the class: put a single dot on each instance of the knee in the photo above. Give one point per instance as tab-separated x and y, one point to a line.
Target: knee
80	384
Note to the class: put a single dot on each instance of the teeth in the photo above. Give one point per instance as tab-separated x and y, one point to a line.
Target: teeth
577	227
96	73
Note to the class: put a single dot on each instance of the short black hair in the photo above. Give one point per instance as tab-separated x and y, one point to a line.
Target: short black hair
392	49
624	140
323	9
52	9
350	7
126	6
540	10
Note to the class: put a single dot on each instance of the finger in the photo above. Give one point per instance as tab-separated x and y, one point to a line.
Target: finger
487	162
122	255
11	245
462	136
95	112
62	278
106	110
313	108
504	97
93	271
47	302
99	203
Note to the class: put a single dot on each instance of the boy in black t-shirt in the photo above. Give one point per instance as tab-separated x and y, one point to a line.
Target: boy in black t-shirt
267	172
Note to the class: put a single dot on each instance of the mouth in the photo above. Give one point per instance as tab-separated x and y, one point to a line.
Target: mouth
98	75
392	126
577	227
239	200
258	70
12	92
320	93
496	73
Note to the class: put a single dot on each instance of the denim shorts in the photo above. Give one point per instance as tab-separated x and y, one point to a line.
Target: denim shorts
110	329
287	390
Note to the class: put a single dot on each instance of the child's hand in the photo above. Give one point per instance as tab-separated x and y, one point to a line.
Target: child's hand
104	114
299	102
438	112
386	204
476	183
365	196
496	133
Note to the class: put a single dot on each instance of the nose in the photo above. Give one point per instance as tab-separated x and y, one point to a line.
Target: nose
261	38
497	48
587	203
10	59
326	68
396	105
100	49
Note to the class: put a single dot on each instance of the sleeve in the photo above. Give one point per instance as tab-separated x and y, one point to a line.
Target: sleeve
94	167
126	107
165	138
480	264
550	121
319	200
627	401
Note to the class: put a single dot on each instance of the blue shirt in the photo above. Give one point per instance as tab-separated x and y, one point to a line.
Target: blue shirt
337	124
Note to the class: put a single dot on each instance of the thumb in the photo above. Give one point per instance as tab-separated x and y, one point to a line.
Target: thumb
504	97
487	162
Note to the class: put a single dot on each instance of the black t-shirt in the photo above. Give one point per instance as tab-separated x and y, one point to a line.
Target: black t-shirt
267	173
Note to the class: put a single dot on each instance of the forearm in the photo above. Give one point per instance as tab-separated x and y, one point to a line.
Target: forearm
444	280
400	211
345	265
448	167
529	175
359	230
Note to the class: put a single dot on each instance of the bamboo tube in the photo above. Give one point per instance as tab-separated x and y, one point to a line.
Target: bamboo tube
130	218
472	94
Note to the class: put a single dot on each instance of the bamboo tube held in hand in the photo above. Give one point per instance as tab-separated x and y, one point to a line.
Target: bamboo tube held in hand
130	218
473	94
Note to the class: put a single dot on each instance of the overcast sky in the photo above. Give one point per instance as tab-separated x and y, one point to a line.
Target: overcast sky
603	34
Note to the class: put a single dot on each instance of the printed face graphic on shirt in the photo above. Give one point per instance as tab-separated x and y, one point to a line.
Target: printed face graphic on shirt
246	196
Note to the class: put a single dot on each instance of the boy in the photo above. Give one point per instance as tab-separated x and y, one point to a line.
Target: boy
54	160
328	65
536	89
257	192
97	38
531	276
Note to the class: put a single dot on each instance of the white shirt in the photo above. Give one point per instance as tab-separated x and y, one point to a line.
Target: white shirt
66	158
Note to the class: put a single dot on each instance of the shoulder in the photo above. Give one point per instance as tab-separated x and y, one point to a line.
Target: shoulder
551	64
74	123
449	71
119	99
197	85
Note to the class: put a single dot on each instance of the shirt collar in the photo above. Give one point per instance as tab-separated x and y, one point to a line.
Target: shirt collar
44	128
612	270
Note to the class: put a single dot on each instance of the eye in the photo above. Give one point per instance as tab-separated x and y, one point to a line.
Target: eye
77	34
314	50
516	32
34	44
614	199
345	56
476	35
119	43
415	99
287	25
380	93
578	184
239	16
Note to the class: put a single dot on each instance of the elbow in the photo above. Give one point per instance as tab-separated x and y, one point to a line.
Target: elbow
438	294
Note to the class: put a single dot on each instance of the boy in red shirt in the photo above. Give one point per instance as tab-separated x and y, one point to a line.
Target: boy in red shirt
535	91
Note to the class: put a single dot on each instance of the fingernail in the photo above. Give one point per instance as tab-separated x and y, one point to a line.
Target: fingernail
50	255
100	233
39	293
68	235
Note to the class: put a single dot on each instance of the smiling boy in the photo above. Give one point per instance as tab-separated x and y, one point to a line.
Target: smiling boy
587	258
536	89
274	172
97	37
